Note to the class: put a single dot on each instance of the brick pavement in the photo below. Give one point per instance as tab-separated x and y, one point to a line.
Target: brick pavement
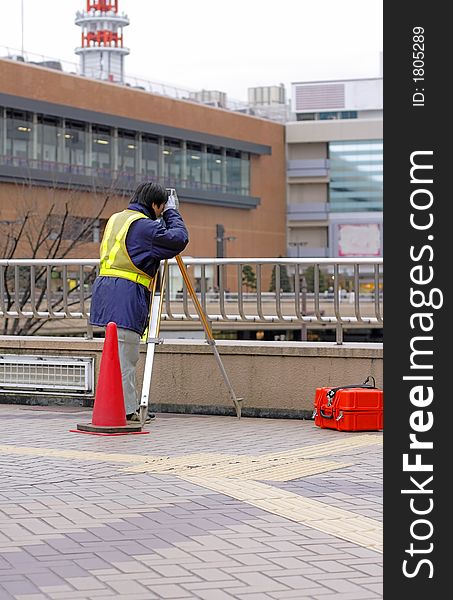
208	508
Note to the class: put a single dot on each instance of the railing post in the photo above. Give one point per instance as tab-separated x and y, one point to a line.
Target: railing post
303	327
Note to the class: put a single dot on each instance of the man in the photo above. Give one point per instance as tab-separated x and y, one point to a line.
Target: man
134	242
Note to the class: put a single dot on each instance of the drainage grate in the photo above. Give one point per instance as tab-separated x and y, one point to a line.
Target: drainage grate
58	375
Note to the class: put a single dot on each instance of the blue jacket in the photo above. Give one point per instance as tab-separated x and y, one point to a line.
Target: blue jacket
148	241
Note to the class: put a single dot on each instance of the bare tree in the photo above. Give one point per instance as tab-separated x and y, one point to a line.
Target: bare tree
45	229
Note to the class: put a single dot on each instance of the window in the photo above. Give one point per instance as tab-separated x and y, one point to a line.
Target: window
172	156
305	116
2	130
127	150
214	168
356	175
49	132
328	116
75	229
194	161
101	148
233	171
19	130
75	143
150	155
245	173
88	149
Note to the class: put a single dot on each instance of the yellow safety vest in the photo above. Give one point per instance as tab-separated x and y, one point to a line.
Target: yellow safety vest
115	259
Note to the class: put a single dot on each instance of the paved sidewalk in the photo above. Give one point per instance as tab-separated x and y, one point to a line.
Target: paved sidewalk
209	508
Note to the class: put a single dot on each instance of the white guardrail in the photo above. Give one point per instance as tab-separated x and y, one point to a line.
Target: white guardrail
234	292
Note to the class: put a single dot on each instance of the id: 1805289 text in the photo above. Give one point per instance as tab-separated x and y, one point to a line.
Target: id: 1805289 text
418	65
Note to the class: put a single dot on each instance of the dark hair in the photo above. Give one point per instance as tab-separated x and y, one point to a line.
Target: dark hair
148	193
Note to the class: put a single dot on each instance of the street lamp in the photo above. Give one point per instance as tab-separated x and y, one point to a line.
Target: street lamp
298	245
221	239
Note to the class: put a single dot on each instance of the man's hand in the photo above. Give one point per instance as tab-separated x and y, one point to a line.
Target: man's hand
172	201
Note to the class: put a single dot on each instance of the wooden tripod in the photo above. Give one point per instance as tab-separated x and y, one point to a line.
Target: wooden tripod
153	337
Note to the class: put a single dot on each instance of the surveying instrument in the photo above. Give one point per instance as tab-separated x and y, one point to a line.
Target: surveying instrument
152	340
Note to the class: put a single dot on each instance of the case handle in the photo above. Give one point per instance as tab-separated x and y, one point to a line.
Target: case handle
324	415
331	393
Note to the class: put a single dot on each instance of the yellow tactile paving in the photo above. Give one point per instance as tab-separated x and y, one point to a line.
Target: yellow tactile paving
283	466
289	470
247	467
335	521
328	448
74	454
240	476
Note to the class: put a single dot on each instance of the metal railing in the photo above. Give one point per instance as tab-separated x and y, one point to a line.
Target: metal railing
155	87
333	293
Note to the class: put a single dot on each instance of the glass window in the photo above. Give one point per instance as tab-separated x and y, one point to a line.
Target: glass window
305	116
150	155
245	173
356	176
19	128
233	171
214	167
194	160
2	129
172	156
356	147
127	149
80	229
348	114
75	144
48	137
101	148
328	116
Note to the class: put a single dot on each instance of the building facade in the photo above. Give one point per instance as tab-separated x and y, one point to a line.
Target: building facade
339	99
335	170
69	141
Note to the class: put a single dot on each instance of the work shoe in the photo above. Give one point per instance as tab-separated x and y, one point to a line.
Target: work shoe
135	417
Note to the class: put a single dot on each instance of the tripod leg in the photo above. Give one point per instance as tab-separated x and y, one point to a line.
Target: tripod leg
210	340
153	332
236	401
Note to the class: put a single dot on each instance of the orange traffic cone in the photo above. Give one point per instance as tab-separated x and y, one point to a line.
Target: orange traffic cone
109	414
108	410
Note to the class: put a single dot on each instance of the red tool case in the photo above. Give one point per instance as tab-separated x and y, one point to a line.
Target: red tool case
350	407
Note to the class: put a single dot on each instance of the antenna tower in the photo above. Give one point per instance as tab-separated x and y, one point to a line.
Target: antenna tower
102	52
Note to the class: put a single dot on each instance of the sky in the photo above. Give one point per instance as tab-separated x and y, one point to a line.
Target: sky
208	44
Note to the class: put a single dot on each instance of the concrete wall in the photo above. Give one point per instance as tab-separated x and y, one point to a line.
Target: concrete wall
275	378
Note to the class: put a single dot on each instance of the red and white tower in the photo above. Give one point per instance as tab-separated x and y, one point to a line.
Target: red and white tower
102	52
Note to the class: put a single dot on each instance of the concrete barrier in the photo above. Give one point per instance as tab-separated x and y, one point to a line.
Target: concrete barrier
276	379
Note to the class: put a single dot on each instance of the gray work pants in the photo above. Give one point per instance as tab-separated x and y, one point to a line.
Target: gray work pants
128	348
